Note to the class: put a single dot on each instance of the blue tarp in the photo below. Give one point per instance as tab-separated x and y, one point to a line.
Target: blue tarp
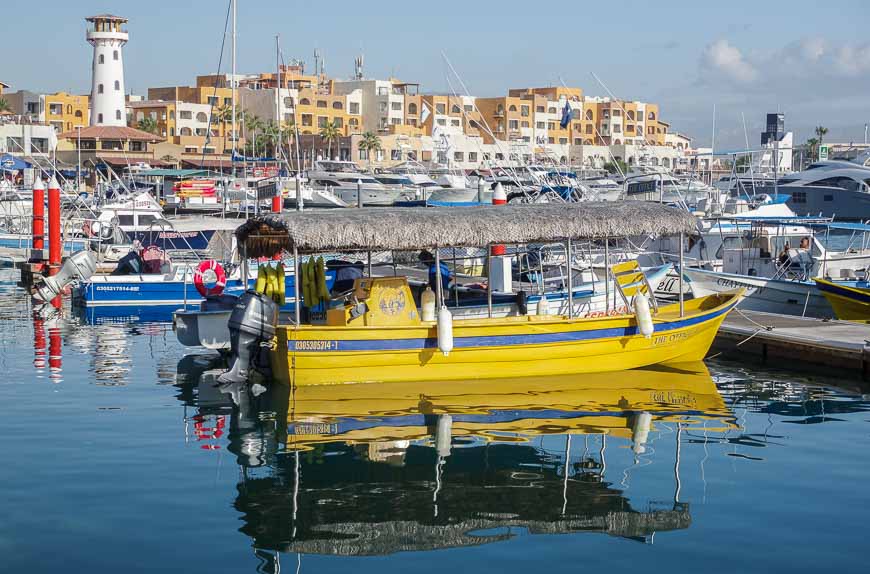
11	163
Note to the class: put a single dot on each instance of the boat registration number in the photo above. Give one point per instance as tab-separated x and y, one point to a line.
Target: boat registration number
315	345
314	429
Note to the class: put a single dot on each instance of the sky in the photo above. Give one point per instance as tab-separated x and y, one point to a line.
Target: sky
808	59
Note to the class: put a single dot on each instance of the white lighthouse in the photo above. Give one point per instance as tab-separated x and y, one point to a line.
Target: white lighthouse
108	107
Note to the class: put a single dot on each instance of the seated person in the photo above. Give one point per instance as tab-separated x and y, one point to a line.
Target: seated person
783	255
429	260
805	243
345	276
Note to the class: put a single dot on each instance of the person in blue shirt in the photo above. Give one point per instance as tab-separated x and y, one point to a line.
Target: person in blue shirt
446	277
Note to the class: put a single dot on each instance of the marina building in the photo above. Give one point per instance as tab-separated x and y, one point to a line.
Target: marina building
62	111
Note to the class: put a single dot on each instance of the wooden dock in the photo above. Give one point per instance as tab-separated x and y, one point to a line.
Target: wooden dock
838	348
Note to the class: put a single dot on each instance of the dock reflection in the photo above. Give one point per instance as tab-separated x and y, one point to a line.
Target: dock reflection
377	469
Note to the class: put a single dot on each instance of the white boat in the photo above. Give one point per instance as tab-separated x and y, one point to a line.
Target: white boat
781	296
449	177
344	178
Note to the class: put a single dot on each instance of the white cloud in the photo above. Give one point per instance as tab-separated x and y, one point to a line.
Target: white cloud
853	60
726	59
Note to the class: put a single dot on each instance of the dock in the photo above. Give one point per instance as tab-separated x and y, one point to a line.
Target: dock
837	348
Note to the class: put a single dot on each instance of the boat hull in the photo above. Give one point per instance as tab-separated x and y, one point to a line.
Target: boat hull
196	240
849	303
769	295
505	347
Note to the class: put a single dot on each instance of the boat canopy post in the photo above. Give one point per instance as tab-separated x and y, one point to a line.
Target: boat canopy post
369	254
439	297
489	281
296	277
569	257
680	284
243	255
607	274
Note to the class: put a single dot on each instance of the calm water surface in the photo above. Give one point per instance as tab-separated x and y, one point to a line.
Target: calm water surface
123	455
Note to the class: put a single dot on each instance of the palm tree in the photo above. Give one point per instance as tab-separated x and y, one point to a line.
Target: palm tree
253	124
271	133
4	105
370	143
147	124
329	133
812	143
224	115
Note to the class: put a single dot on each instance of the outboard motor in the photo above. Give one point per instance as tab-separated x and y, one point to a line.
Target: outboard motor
254	319
79	266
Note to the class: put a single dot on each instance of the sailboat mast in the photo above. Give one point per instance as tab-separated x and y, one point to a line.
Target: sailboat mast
233	81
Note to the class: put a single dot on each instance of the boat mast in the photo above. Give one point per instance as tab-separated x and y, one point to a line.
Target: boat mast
233	85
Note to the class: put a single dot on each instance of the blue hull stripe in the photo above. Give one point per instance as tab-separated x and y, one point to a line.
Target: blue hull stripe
497	340
845	293
344	424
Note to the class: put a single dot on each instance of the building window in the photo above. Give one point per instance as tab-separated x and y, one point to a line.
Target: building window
468	108
651	116
617	113
171	115
499	156
307	120
201	117
304	102
396	154
472	156
337	105
589	128
512	108
186	131
99	118
212	100
364	154
563	141
525	124
412	109
321	103
513	124
455	109
78	114
185	115
440	109
541	125
578	141
589	115
115	55
396	106
322	121
102	59
100	89
550	140
458	156
524	111
455	123
137	146
617	128
354	107
539	109
396	121
441	122
172	132
630	115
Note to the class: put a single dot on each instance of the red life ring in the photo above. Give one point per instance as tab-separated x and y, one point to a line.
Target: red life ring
220	278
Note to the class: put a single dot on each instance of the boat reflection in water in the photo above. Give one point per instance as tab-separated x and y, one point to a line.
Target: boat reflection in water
380	468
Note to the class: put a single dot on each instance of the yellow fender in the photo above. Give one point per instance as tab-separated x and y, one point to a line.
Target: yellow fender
312	282
260	286
269	290
303	288
282	285
322	289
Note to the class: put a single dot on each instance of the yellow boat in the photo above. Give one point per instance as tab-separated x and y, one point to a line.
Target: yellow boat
849	303
377	334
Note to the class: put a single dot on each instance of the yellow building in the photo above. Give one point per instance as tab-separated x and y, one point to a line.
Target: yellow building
3	87
66	112
315	110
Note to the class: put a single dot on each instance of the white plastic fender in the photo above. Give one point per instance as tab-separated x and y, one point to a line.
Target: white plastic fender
445	331
427	304
643	315
640	432
543	306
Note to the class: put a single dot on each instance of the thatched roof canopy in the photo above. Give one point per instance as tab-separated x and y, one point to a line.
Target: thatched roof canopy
428	227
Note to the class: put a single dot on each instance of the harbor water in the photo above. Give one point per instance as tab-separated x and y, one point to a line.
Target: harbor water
124	455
